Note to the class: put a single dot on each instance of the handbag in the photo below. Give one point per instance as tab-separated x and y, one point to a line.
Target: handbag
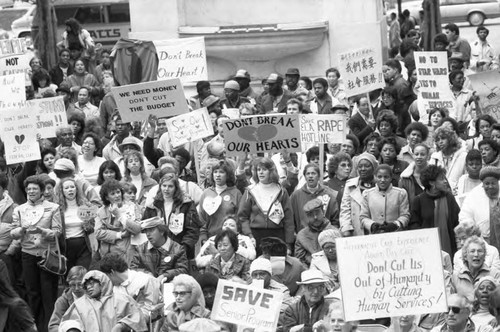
54	261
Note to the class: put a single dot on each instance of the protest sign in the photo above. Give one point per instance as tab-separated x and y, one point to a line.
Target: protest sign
246	305
361	70
14	64
50	113
13	46
322	128
12	91
189	127
391	274
184	58
434	85
486	86
262	133
232	113
162	98
18	132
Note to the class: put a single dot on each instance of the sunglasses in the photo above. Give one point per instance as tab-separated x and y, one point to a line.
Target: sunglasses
455	310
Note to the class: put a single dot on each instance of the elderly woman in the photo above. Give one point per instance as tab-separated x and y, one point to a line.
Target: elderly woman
228	263
481	206
490	152
410	177
37	225
480	314
88	162
189	303
483	126
416	133
436	207
326	259
339	168
449	154
474	268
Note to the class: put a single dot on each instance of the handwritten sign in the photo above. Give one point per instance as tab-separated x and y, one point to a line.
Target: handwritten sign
12	91
432	72
50	114
161	98
189	127
322	128
13	46
245	305
391	274
262	133
18	132
487	88
361	70
14	64
182	58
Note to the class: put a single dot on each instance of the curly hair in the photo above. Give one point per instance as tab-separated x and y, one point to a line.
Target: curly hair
452	121
465	248
225	166
389	117
126	161
34	179
95	138
107	187
46	151
484	117
431	173
268	164
424	131
111	165
61	199
334	162
492	143
452	137
354	140
391	140
42	74
81	120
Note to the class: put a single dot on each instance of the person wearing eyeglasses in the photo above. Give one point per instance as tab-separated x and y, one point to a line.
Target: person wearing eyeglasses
457	317
311	307
189	303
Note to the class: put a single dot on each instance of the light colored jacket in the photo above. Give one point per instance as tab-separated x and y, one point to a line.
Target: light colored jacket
476	210
319	262
456	167
350	208
463	282
385	206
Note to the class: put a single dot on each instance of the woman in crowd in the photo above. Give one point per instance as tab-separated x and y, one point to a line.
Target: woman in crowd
339	169
116	221
35	65
75	37
135	173
469	181
326	259
387	125
246	247
495	132
436	207
416	133
480	314
389	151
410	177
75	291
474	268
108	170
76	231
77	123
47	161
490	152
406	323
452	124
483	127
449	155
390	102
189	303
350	208
88	162
218	201
265	207
436	115
481	207
42	84
178	211
228	263
38	223
80	78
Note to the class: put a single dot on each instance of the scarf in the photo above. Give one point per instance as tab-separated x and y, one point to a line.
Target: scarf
441	220
225	267
494	222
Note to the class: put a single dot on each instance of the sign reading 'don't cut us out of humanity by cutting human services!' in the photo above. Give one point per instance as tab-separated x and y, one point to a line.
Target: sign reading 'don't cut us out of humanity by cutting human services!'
262	134
161	98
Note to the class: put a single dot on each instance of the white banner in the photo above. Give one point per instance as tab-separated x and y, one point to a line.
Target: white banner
189	127
12	92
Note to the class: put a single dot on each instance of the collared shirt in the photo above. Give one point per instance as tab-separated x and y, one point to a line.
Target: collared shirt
88	109
75	146
482	51
338	95
461	108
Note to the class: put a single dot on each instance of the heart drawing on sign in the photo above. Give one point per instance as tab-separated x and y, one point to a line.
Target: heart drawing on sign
263	133
19	138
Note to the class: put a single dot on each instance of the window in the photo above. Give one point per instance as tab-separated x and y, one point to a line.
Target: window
92	14
119	13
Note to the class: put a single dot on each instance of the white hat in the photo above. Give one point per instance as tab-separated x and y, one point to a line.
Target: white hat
261	264
311	277
70	324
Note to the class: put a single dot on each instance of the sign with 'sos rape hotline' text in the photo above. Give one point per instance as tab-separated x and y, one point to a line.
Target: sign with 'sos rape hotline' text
18	132
183	58
246	305
189	127
391	274
161	98
322	128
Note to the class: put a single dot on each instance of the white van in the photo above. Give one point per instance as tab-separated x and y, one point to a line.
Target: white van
106	20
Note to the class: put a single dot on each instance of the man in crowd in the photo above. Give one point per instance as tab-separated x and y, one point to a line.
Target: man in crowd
232	95
112	150
322	102
458	44
66	139
243	78
203	90
84	105
292	81
275	101
457	318
62	70
483	56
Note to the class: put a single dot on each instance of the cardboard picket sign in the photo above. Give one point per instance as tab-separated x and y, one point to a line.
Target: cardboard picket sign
183	58
322	128
262	133
50	113
13	46
486	86
189	127
161	98
247	305
18	132
391	274
16	63
12	92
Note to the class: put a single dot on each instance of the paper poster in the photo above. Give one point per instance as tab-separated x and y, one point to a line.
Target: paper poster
432	73
322	128
13	46
486	85
189	127
183	58
50	114
162	98
361	70
12	91
18	132
262	133
391	274
15	64
248	306
232	113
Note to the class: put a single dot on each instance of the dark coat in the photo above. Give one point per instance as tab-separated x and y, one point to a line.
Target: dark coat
359	127
266	105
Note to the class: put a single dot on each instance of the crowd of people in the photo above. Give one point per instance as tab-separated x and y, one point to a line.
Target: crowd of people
130	212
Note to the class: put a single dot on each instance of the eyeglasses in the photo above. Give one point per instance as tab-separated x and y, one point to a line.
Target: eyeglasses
181	294
88	143
455	310
330	248
319	288
75	285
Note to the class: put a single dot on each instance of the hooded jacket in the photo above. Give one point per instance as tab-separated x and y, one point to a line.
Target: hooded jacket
110	309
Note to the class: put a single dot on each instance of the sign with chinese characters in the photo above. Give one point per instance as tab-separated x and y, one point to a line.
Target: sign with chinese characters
434	85
361	70
189	127
487	88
